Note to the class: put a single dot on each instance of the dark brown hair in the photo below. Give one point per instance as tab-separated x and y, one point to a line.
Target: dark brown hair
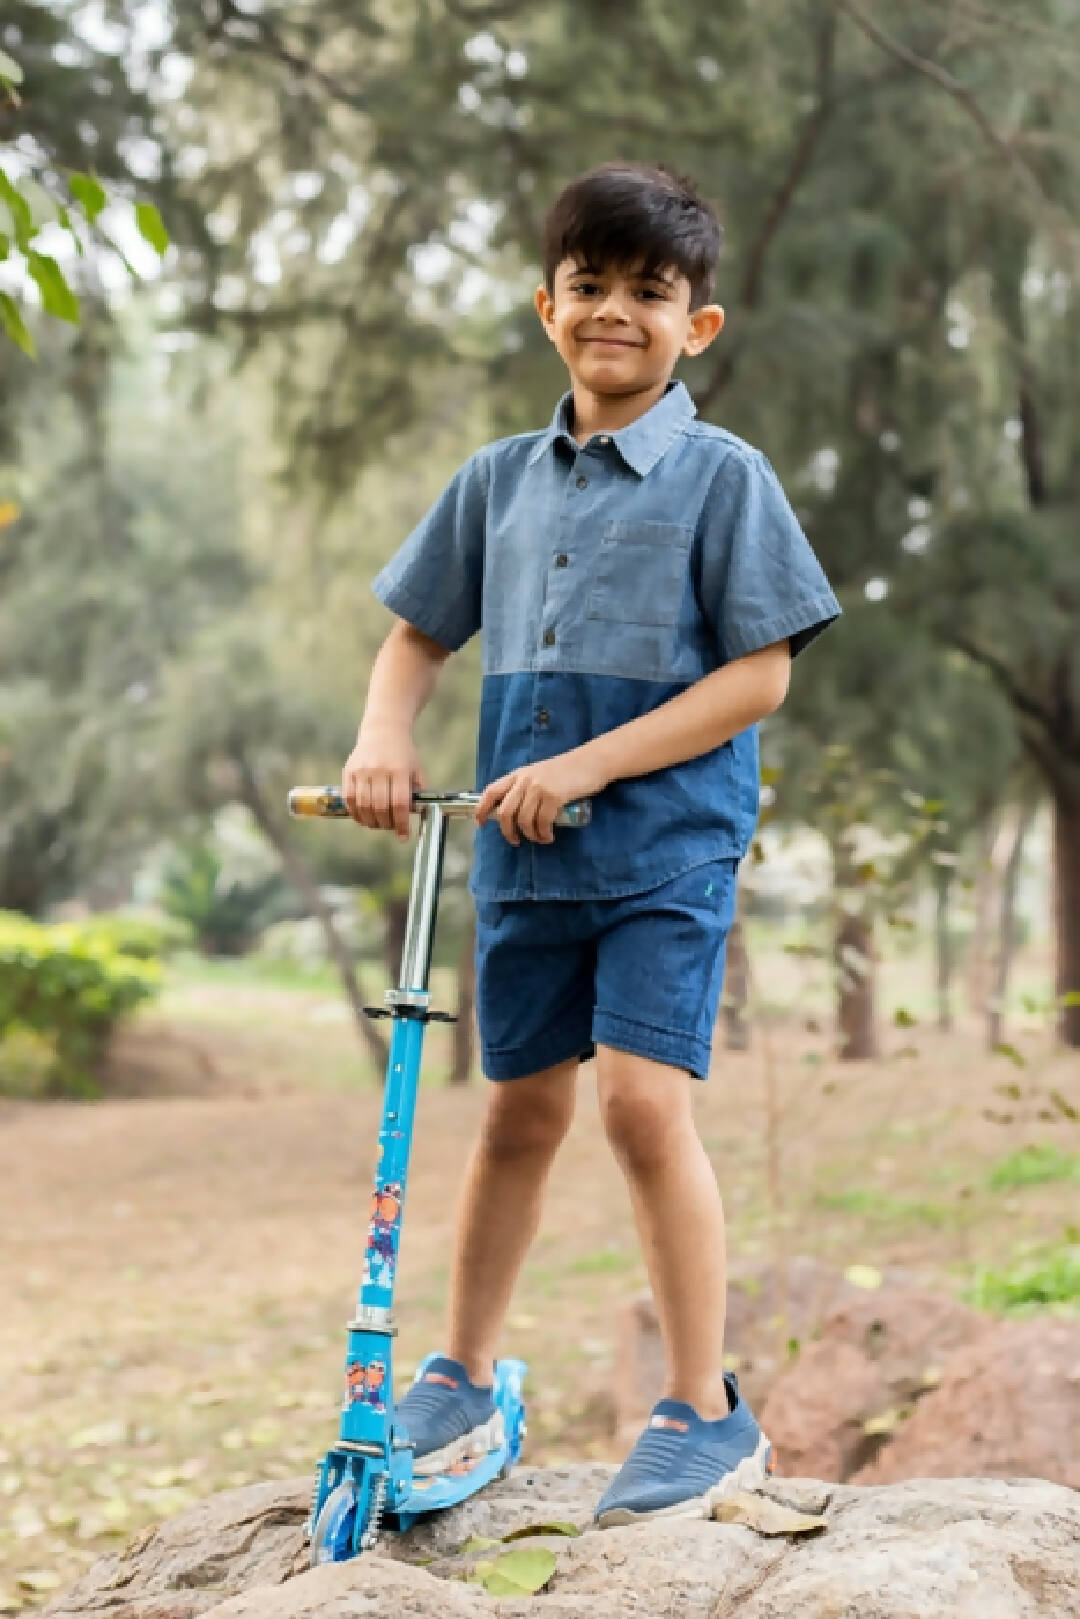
629	214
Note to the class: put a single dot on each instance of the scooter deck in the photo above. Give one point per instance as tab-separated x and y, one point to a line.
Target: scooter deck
448	1489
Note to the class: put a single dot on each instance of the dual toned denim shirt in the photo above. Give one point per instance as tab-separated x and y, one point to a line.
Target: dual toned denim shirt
605	578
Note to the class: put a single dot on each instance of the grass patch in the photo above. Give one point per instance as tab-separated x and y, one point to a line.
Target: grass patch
604	1262
1036	1165
1047	1280
874	1205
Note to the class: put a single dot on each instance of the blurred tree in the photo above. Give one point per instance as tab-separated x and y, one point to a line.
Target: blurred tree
899	198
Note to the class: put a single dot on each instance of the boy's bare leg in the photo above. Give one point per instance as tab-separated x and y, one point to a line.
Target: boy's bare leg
499	1208
645	1107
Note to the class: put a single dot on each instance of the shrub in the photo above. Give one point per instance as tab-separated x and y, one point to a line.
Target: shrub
70	990
125	933
224	912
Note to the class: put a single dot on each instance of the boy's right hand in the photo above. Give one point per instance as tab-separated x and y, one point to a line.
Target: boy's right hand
379	778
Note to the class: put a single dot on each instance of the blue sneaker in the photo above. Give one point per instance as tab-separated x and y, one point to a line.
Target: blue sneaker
447	1417
682	1464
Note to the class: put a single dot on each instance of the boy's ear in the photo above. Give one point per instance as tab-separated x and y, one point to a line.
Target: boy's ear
705	324
545	308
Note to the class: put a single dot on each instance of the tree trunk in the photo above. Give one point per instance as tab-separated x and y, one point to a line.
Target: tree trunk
978	974
1008	853
1066	867
855	1015
943	947
462	1047
737	989
305	885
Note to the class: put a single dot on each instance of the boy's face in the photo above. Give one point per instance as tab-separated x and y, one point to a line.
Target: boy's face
619	331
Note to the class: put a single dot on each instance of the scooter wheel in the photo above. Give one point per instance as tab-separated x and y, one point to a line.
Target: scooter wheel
332	1539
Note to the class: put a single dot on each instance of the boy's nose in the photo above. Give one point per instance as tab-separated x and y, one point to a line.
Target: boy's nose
612	308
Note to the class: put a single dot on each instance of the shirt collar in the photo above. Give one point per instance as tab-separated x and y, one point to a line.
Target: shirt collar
642	443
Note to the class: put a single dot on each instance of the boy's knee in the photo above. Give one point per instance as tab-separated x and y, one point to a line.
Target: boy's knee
526	1117
642	1109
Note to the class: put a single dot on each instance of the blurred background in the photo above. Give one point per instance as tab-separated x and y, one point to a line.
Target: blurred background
266	271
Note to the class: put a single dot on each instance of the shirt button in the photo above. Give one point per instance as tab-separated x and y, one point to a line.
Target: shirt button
562	560
583	483
549	637
604	439
543	716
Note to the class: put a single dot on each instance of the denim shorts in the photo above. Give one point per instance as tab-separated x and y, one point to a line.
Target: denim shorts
554	978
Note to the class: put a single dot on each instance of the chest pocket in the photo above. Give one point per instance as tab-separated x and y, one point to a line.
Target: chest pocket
640	573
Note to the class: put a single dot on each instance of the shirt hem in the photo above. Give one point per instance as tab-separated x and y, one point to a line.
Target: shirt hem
503	896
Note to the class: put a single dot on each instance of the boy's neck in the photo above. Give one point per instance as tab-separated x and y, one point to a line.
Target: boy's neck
606	413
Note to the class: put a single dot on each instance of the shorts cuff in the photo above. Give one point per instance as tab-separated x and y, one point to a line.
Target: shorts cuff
519	1062
644	1040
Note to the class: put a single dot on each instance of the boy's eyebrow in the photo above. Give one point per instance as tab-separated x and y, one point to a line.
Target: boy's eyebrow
668	280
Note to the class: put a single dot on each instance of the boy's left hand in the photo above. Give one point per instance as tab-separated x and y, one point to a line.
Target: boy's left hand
526	802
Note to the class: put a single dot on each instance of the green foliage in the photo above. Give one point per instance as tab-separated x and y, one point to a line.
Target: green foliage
69	989
146	938
224	913
1035	1165
1048	1279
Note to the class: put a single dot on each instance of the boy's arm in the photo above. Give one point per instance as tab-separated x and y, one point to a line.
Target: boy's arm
707	714
384	768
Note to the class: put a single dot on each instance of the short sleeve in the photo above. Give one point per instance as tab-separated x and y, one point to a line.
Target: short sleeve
435	580
760	579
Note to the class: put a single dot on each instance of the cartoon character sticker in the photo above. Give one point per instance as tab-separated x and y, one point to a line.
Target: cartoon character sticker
383	1227
366	1384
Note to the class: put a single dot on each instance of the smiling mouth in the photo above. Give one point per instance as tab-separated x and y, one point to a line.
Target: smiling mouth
611	342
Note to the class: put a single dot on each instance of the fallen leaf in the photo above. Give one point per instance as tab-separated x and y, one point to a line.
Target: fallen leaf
865	1276
99	1436
26	1521
39	1579
520	1572
62	1517
232	1440
884	1422
476	1543
521	1323
764	1515
8	1603
528	1529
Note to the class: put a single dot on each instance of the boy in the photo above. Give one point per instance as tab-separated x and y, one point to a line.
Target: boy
642	585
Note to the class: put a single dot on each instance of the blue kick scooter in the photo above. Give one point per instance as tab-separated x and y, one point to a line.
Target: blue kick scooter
366	1481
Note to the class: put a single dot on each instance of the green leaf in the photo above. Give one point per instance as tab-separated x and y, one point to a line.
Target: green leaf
569	1529
1004	1049
13	325
10	71
43	208
903	1018
88	193
1071	997
521	1572
151	226
476	1543
20	213
56	296
865	1276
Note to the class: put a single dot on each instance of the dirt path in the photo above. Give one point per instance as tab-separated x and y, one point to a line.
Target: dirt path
176	1271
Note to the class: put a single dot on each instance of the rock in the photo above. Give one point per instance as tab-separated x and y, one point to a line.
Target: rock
876	1354
931	1549
762	1318
1005	1406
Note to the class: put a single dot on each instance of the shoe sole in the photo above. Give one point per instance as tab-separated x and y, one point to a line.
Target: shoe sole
750	1472
488	1436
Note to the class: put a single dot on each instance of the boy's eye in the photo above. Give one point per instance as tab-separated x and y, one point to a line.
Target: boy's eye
585	287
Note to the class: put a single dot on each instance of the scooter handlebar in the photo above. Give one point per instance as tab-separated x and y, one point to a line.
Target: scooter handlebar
328	803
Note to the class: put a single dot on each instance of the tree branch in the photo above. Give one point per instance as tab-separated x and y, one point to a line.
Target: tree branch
1021	700
960	93
753	276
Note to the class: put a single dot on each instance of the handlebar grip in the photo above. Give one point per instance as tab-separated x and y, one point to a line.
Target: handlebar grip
328	803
